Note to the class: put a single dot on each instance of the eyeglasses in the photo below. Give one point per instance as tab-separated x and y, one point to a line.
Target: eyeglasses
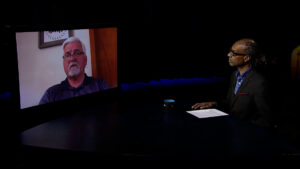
76	53
236	54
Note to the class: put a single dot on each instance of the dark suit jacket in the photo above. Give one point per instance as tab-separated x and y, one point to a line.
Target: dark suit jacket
252	101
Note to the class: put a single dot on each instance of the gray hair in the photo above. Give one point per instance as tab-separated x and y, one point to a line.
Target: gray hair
73	39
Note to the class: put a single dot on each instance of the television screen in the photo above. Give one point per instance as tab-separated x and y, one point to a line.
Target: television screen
56	64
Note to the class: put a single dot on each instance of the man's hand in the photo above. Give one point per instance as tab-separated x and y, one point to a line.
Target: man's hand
204	105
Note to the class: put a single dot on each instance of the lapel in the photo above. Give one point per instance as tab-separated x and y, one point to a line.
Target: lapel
244	84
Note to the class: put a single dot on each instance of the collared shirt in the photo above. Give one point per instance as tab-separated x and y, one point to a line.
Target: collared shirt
240	78
64	90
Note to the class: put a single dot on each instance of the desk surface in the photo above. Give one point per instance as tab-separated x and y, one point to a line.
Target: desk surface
145	129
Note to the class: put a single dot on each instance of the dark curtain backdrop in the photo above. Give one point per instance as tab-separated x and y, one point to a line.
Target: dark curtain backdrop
165	39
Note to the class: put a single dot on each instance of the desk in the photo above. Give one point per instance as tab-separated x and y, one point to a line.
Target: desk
145	131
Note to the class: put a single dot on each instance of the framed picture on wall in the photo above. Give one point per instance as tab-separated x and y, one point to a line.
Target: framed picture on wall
53	38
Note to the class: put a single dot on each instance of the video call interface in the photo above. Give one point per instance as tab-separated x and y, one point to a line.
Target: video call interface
48	72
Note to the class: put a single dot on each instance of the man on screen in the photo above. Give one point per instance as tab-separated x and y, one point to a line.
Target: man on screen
77	82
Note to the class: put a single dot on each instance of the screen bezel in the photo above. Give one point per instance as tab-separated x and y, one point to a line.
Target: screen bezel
41	113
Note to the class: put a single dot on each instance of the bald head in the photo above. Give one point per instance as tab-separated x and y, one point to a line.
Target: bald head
249	46
246	40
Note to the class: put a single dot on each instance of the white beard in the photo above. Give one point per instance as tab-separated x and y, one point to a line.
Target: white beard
74	69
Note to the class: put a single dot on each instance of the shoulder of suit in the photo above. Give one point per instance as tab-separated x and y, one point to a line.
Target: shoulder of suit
258	76
257	79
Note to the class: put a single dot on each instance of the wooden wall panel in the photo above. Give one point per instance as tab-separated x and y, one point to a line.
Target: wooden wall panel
104	54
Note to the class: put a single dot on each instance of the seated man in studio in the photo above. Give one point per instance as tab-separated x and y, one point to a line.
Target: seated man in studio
248	94
77	82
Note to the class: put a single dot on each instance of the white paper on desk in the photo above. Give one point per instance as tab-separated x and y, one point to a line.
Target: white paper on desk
206	113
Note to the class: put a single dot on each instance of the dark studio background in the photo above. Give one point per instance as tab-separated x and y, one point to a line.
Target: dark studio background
169	39
166	40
